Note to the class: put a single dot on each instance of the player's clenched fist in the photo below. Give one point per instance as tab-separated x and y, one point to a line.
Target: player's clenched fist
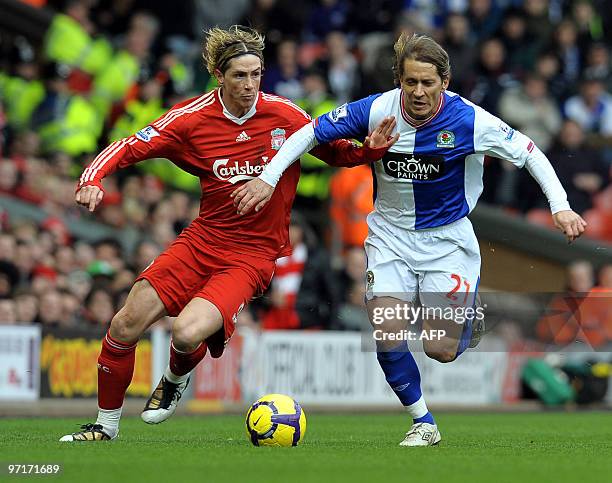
89	196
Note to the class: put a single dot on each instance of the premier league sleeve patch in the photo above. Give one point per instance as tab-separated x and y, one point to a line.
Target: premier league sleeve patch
147	134
338	113
507	131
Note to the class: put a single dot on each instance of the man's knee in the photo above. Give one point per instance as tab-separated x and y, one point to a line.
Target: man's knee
387	323
186	334
442	355
142	308
126	326
443	350
198	320
443	341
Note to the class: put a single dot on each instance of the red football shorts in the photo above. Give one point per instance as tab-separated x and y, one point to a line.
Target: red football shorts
229	281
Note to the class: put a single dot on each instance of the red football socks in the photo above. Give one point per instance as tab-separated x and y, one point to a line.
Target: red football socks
182	363
115	371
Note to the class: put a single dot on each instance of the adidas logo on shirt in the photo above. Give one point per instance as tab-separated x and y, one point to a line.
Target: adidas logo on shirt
242	137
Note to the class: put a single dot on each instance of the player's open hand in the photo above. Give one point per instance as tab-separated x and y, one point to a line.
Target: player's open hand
570	223
254	194
89	196
382	136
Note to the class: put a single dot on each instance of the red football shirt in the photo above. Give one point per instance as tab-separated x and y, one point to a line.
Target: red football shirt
203	138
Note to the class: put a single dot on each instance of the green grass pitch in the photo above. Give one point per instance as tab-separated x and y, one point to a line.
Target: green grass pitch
534	447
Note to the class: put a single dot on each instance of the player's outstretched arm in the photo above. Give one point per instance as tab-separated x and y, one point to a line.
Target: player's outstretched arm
570	223
347	154
257	192
497	139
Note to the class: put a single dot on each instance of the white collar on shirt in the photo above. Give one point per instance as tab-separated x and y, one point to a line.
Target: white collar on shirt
238	120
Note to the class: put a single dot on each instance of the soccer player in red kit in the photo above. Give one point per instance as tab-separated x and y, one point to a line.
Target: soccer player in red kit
221	260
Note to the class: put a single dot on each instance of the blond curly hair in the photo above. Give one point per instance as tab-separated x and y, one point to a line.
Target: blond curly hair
220	46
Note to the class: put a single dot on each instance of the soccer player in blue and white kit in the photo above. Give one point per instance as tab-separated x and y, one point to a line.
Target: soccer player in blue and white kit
420	239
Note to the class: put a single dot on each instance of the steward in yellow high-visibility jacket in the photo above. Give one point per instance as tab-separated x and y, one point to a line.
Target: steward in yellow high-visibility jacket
67	42
316	175
112	84
65	122
20	97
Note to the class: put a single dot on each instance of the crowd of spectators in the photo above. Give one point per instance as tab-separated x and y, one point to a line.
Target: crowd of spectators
542	65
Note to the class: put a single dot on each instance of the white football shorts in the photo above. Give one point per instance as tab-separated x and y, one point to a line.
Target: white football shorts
441	265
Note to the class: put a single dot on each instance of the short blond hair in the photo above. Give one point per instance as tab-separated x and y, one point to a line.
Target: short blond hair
220	46
422	49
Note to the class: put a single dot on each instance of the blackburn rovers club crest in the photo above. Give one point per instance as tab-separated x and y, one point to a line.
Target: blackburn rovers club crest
446	139
278	138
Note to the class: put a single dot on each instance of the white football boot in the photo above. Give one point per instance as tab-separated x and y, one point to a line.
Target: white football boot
422	434
162	403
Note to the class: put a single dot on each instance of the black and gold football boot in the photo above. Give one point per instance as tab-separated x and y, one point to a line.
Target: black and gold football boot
162	403
89	432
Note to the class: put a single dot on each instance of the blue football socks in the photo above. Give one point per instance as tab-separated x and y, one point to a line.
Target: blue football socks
402	374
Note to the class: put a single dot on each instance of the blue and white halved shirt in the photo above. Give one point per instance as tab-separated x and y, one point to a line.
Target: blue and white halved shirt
432	175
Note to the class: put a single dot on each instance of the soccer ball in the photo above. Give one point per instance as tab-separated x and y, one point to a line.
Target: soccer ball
276	420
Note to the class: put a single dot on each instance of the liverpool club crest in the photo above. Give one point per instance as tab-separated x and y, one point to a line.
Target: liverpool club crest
278	138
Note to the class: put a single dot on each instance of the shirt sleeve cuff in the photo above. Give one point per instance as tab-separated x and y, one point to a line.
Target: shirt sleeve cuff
557	206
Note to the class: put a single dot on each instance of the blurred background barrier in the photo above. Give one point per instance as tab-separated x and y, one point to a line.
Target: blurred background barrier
323	370
68	364
513	250
332	369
